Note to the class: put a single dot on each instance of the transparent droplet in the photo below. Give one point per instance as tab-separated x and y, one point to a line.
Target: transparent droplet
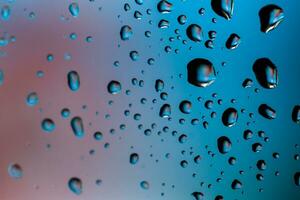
73	81
126	32
233	41
145	185
98	136
75	185
270	17
1	77
74	9
266	111
5	12
182	19
134	158
297	178
114	87
159	85
201	72
48	125
230	117
134	55
224	144
163	24
198	195
15	171
194	33
185	107
236	184
65	113
224	8
261	165
164	6
165	111
266	73
77	127
32	99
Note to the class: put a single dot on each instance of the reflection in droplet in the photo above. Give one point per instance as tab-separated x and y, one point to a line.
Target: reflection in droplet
198	195
266	73
270	17
159	85
77	127
75	185
201	72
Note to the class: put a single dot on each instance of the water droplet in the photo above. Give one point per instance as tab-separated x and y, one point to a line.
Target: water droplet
98	136
297	178
230	117
134	158
266	111
185	107
261	165
134	55
159	85
182	19
15	171
163	24
224	144
164	6
74	9
165	111
194	33
270	17
198	195
77	127
48	125
266	73
114	87
1	77
5	12
224	8
201	72
236	184
75	185
65	113
233	41
73	81
32	99
126	32
145	185
296	114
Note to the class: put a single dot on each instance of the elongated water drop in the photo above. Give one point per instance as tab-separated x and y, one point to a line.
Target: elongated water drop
164	6
296	114
233	41
73	81
126	32
159	85
270	17
165	111
266	73
77	127
134	158
201	72
230	117
32	99
194	33
266	111
75	185
5	12
114	87
224	8
224	144
15	171
74	9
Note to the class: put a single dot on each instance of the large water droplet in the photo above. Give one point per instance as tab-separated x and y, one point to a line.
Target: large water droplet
224	8
114	87
126	32
32	99
73	81
74	9
266	111
296	114
15	171
266	73
194	32
165	111
270	17
77	127
164	6
230	117
48	125
75	185
224	144
201	72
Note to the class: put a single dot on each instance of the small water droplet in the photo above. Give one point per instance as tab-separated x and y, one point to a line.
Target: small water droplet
126	32
114	87
185	107
73	81
32	99
233	41
230	117
48	125
75	185
74	9
15	171
134	158
224	144
165	111
194	33
77	127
